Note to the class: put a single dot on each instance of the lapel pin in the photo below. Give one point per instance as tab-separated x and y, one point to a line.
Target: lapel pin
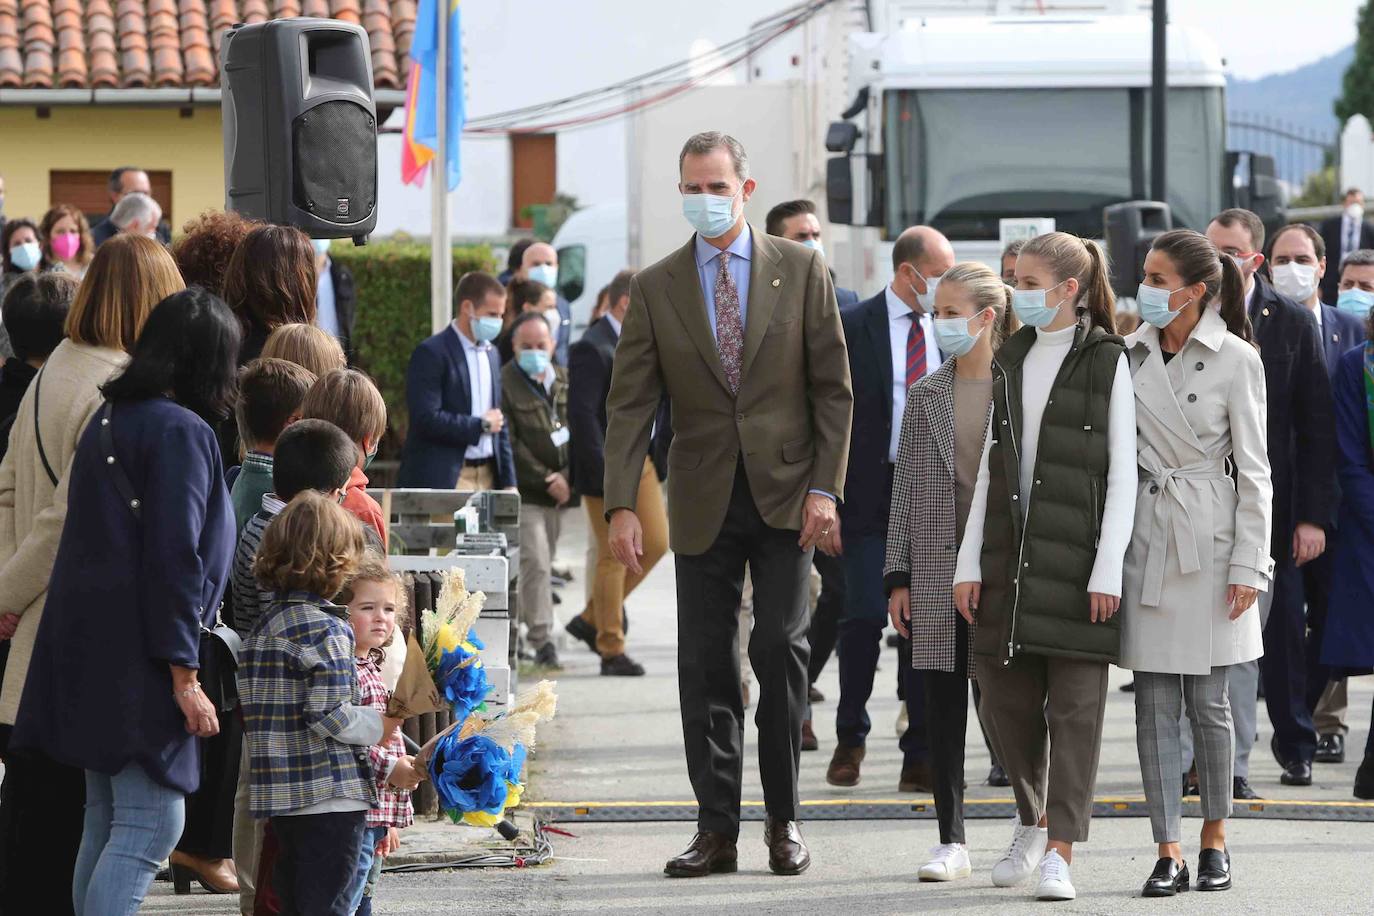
1265	313
777	282
1335	338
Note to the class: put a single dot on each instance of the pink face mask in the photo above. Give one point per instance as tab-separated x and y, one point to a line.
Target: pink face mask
66	245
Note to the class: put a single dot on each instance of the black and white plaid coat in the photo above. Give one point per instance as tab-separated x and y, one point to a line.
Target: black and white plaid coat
922	538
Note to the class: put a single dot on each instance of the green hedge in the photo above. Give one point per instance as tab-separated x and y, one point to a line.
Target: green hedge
392	279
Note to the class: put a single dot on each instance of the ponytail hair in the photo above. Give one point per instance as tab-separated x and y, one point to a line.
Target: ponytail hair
1197	260
987	291
1070	256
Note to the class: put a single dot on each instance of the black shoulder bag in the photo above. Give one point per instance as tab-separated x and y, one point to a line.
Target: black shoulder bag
219	645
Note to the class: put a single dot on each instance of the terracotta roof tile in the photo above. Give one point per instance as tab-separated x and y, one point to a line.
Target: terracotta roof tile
49	44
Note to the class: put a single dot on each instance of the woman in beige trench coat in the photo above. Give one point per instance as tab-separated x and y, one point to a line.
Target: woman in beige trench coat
1199	554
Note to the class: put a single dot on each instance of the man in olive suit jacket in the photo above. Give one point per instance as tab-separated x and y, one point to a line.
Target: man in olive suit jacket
742	333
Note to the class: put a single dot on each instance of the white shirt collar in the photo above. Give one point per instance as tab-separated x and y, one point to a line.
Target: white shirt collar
468	342
896	308
615	323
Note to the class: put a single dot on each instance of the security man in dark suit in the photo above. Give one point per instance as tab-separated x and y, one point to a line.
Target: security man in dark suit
1300	423
891	343
1343	234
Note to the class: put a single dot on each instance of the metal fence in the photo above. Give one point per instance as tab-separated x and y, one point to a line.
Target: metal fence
1298	151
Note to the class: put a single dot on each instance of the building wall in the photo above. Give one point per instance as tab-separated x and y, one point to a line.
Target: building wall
105	137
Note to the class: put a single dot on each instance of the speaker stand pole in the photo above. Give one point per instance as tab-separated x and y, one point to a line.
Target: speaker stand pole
441	252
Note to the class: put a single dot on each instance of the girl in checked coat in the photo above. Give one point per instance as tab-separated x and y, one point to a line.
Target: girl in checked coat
941	445
1199	554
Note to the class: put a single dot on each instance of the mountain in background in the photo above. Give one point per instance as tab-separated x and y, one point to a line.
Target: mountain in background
1301	97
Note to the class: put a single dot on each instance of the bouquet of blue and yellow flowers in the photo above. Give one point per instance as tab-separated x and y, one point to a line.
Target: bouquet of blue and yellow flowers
443	667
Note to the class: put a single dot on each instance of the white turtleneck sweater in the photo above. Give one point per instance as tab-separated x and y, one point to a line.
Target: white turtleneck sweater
1038	372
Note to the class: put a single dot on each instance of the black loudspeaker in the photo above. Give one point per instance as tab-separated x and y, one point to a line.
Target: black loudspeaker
300	126
1128	231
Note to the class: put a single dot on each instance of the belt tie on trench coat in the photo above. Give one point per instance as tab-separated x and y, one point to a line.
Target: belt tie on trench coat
1172	511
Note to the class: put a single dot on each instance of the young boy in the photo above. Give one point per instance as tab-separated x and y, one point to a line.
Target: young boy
375	602
303	715
270	395
310	455
348	399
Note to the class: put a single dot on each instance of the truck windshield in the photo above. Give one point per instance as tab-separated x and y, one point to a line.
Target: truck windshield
961	159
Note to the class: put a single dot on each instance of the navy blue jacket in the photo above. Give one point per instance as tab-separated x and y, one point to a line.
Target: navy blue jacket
844	298
867	484
439	397
1300	420
1340	331
128	597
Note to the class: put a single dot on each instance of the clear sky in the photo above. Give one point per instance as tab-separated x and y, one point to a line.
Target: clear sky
1259	37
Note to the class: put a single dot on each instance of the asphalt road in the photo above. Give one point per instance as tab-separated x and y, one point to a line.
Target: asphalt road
619	740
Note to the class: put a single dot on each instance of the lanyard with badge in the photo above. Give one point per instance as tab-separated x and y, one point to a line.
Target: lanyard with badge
559	434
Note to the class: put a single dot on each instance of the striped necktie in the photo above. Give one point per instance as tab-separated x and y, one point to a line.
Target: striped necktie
915	350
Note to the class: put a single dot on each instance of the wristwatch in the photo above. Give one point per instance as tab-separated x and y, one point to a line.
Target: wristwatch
486	425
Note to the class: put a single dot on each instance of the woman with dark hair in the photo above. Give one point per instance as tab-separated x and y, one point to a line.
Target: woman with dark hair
1199	556
148	541
1348	643
1039	567
66	239
270	281
21	252
207	245
526	296
128	276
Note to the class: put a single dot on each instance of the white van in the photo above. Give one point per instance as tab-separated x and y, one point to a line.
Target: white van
592	248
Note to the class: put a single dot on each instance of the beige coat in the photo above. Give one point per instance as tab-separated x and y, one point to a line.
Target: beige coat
31	509
1196	531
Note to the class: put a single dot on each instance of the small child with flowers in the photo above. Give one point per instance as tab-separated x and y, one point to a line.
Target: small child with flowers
375	602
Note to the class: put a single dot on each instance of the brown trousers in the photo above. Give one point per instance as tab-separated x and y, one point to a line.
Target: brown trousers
612	582
1044	719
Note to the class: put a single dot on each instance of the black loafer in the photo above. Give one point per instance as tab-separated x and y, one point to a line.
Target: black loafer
1170	877
998	776
1330	749
1298	773
1364	778
1214	870
621	666
582	631
1241	791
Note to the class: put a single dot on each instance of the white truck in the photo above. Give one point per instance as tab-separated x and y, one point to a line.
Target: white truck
962	122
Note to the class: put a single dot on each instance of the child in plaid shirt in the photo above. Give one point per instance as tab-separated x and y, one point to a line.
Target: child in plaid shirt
374	601
306	726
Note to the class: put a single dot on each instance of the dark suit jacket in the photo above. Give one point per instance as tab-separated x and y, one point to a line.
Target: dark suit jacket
564	336
102	232
589	376
345	305
788	424
1331	234
1301	422
866	335
439	397
844	298
1340	331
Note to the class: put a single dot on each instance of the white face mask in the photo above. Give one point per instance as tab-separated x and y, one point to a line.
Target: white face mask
1296	281
927	298
1354	211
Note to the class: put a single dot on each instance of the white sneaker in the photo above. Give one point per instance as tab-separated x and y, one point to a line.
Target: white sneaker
950	862
1027	846
1055	881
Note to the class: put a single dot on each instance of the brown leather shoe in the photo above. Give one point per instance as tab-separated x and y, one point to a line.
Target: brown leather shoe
787	852
916	777
216	876
844	766
709	852
809	742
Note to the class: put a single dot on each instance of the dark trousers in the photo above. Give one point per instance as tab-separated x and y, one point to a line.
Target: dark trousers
317	859
946	714
1284	670
860	644
825	620
42	814
709	586
1316	578
209	831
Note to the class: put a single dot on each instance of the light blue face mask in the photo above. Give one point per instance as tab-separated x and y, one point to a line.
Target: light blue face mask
1355	301
1030	307
485	330
953	336
814	245
26	255
535	363
710	214
544	273
1153	303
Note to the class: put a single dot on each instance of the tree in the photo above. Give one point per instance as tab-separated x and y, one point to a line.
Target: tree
1357	86
1319	189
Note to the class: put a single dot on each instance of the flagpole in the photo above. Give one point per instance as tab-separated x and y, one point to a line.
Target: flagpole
441	252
